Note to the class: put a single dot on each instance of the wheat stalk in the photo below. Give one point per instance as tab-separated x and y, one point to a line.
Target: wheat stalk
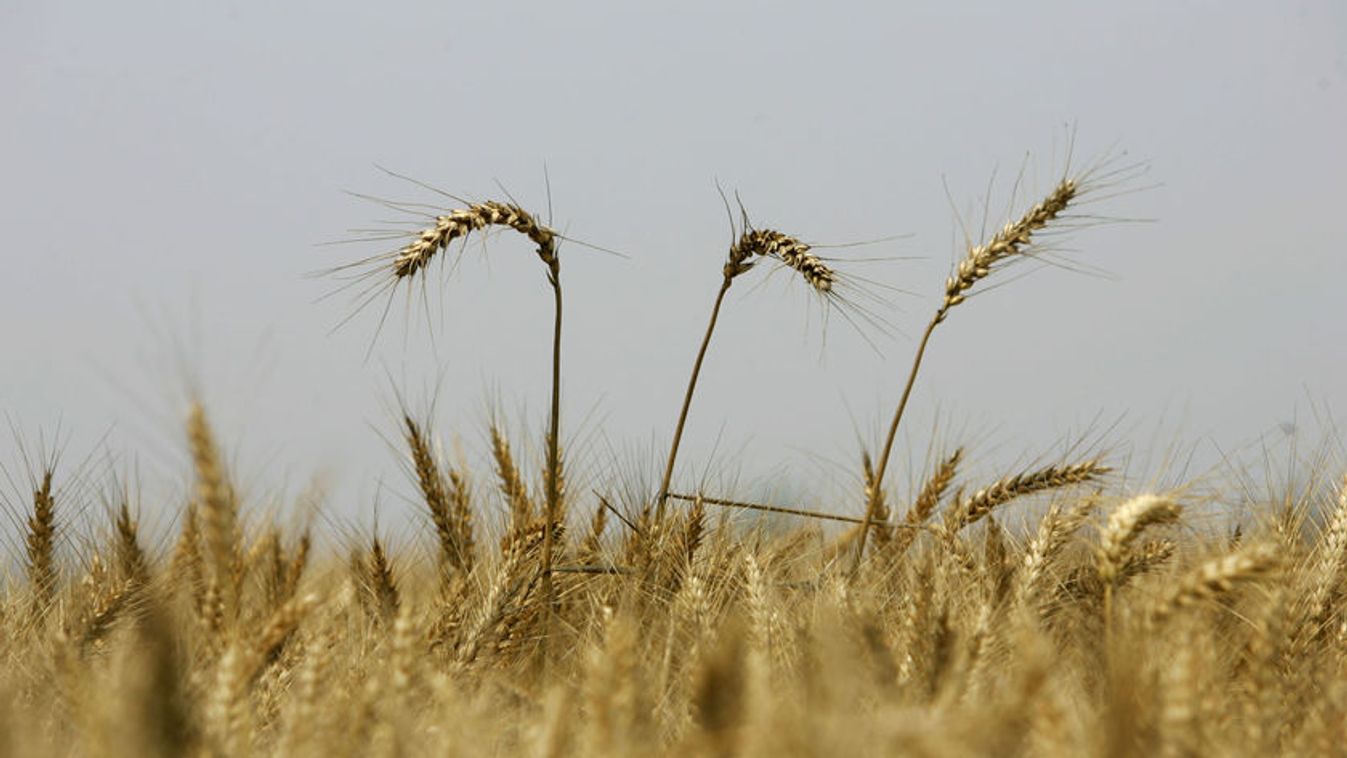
1330	557
1013	240
928	499
1056	526
751	244
414	256
449	514
511	482
412	259
218	513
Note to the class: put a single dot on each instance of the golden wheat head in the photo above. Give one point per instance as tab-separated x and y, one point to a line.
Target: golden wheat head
769	243
415	255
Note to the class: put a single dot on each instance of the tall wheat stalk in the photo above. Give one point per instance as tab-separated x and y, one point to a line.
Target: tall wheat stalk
1012	241
413	258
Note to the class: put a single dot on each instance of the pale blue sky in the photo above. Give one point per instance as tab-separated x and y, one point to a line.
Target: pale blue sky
169	167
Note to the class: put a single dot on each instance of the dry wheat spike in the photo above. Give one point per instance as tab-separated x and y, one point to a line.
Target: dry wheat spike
458	223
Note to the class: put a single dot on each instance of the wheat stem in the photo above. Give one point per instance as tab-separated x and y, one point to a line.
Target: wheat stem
553	454
413	257
780	509
687	396
768	243
883	464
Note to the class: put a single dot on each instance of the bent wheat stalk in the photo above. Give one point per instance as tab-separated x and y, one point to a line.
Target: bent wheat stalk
752	243
412	259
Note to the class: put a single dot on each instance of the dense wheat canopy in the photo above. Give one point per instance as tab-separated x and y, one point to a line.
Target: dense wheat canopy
1110	627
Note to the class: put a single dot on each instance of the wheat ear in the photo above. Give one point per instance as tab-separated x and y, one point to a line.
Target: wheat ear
41	542
770	243
971	509
460	509
379	583
1217	577
219	515
1124	524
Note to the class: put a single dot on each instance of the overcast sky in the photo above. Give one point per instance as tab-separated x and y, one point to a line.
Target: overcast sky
168	170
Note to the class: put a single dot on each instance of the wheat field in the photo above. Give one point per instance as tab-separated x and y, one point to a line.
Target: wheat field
1060	610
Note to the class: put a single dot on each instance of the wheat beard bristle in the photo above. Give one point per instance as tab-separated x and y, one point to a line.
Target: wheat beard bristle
459	223
1012	239
783	247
